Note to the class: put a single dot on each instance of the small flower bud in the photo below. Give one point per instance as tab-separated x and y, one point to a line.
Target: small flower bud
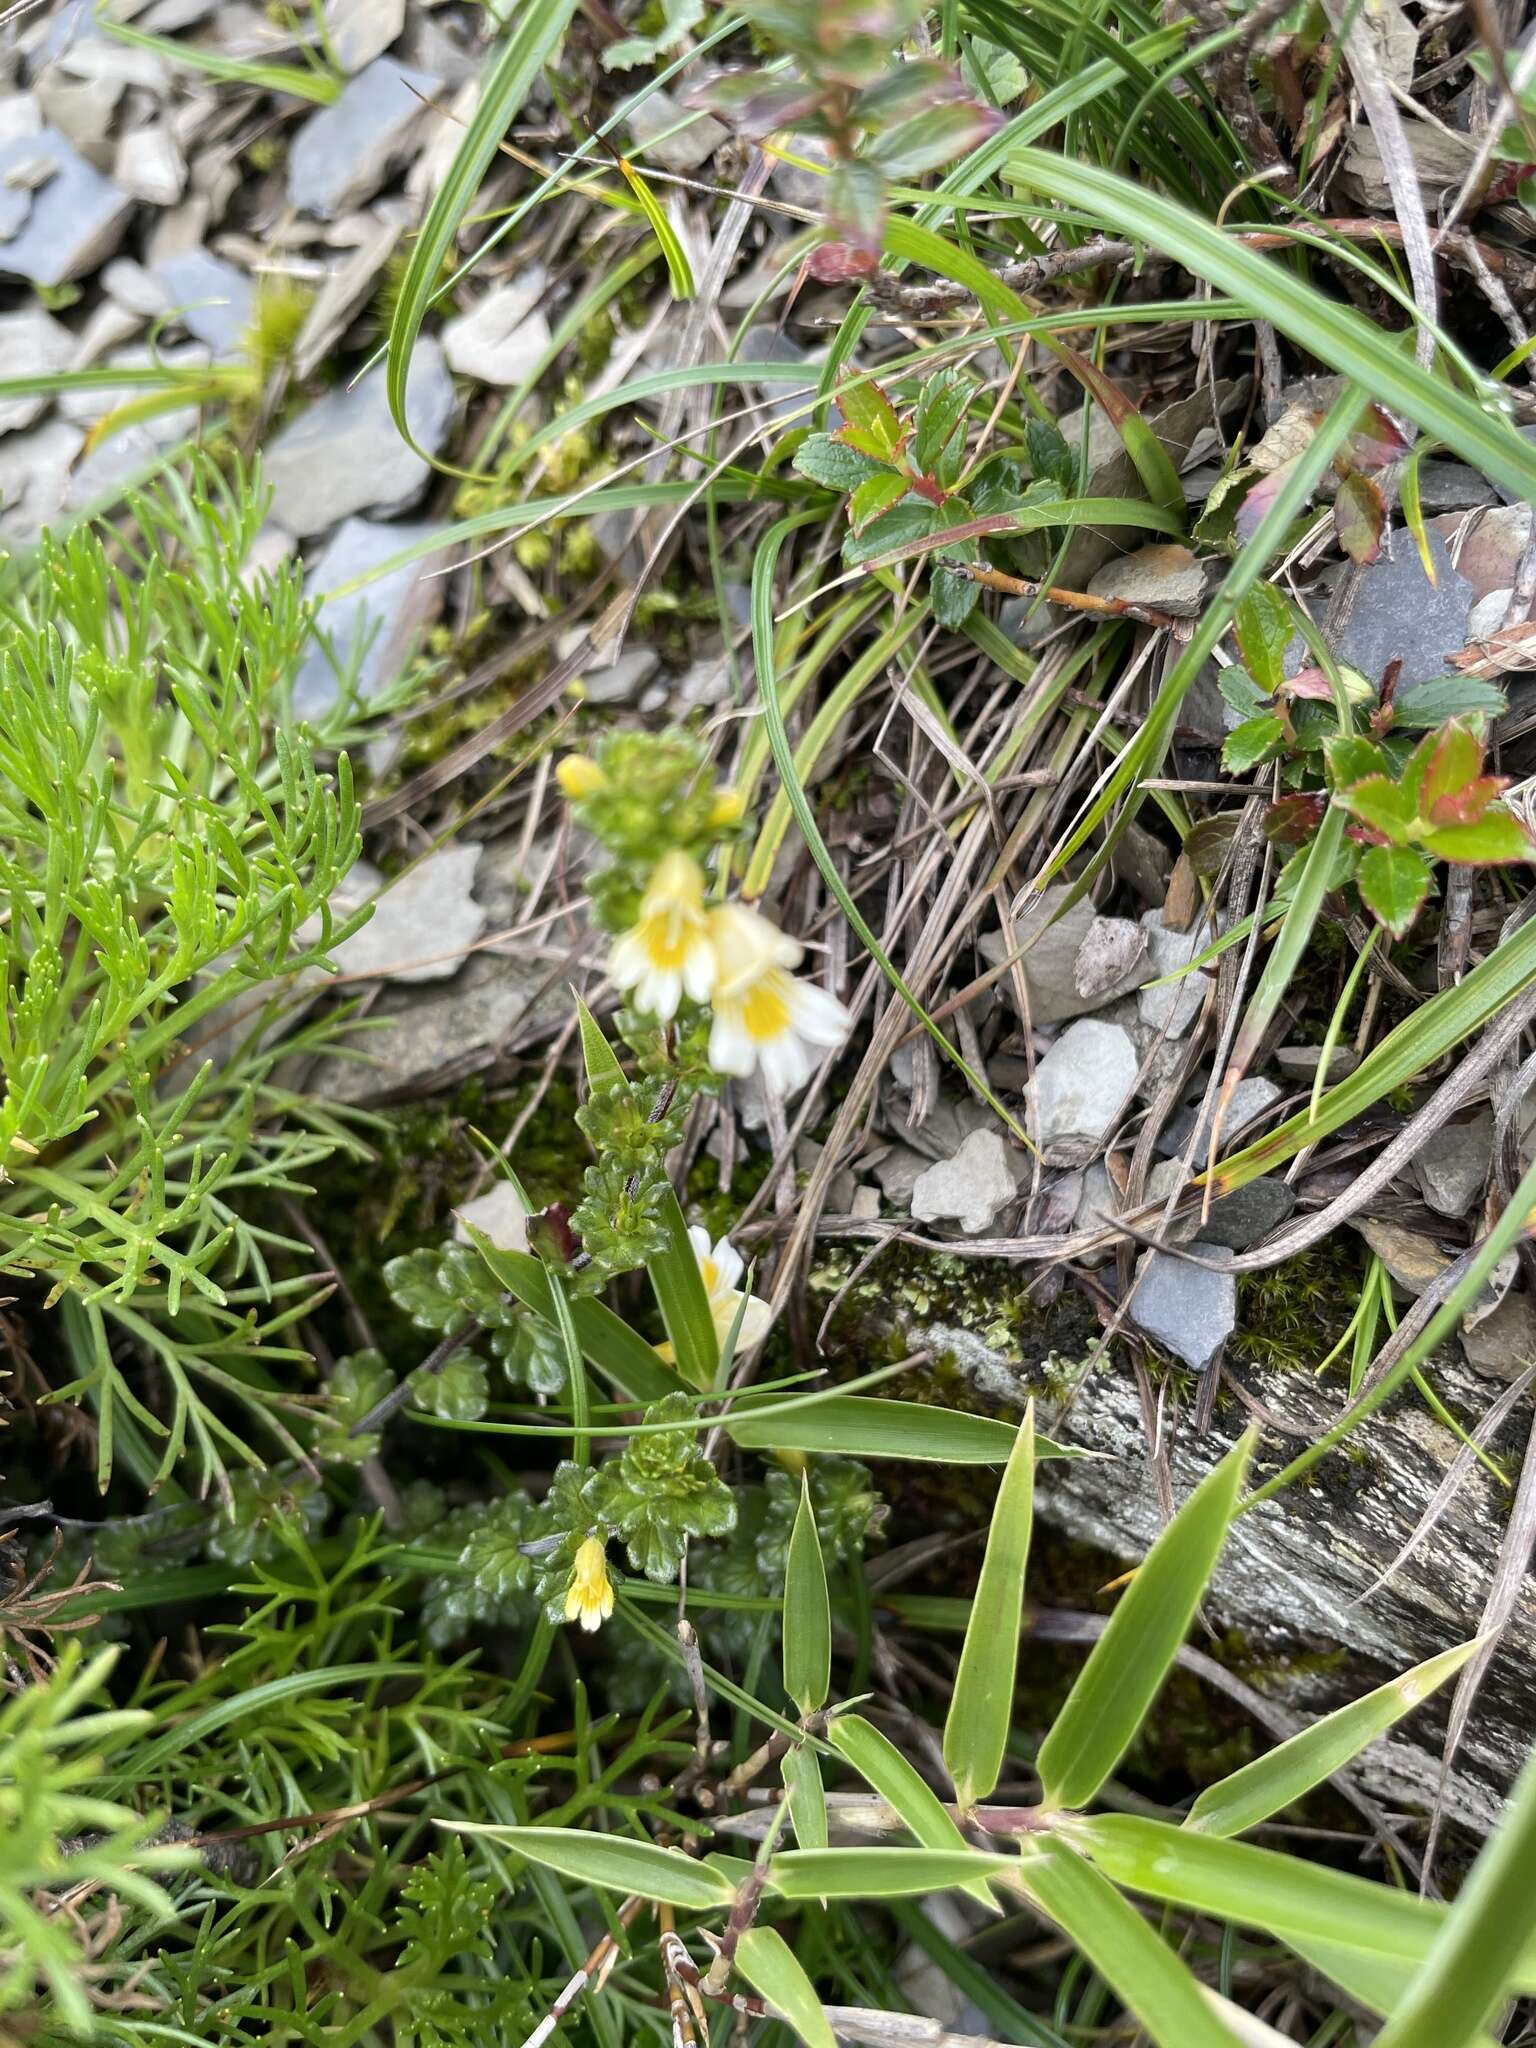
580	777
727	808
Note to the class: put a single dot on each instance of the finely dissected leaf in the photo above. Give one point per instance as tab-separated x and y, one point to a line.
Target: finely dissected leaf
1393	883
683	1299
807	1798
1261	1888
612	1863
770	1966
1146	1975
536	29
1129	1662
879	1873
883	1767
1482	1944
863	1426
807	1614
981	1709
1271	1782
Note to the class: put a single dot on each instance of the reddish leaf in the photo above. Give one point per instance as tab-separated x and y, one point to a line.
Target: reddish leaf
1259	500
1462	806
1492	840
1309	682
1359	515
1375	442
1293	820
864	405
841	263
1442	765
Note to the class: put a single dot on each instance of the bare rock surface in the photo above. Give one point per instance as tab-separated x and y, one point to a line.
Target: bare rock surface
971	1188
343	153
345	455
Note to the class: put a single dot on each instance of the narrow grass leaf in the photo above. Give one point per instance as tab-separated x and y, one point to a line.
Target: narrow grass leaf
903	1788
538	27
807	1797
981	1708
1273	1781
864	1426
683	1300
807	1612
321	87
679	270
1260	1888
612	1863
878	1873
770	1966
1129	1662
1146	1975
1489	1930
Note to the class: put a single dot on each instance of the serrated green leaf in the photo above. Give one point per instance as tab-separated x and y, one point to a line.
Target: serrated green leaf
907	522
807	1798
876	494
981	1708
903	1788
1281	1776
1146	1975
1382	804
807	1613
1248	744
1050	458
880	1873
613	1863
864	405
1418	705
770	1966
1393	883
1491	840
1352	760
841	468
1127	1665
1265	625
941	407
863	1426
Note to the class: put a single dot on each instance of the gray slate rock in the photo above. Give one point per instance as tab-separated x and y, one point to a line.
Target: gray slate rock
899	1172
1250	1098
360	30
343	153
422	925
1503	1344
1082	1082
76	217
1175	1007
213	300
1399	615
34	479
501	339
345	455
1453	1165
1058	946
971	1188
32	343
688	148
498	1213
382	619
1249	1213
1186	1309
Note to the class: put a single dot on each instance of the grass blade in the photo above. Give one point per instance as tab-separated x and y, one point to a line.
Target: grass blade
683	1301
770	1966
981	1710
886	1771
807	1613
878	1873
1273	1781
807	1798
612	1863
1131	1659
300	84
539	26
606	1340
864	1426
1147	1977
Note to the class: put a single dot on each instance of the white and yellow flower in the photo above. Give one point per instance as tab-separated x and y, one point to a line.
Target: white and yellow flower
765	1018
589	1597
720	1267
667	953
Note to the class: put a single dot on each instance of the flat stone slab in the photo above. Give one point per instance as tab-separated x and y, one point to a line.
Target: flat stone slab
423	925
1082	1081
346	455
74	220
343	154
1186	1309
211	299
970	1188
375	624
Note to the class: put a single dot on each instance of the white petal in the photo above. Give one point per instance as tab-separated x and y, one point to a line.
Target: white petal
699	971
657	992
754	1323
731	1046
698	1237
785	1063
729	1263
628	962
818	1016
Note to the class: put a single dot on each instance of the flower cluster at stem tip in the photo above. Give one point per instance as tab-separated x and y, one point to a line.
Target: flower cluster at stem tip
669	944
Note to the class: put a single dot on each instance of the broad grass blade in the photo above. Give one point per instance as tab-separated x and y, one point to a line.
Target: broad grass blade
770	1966
614	1864
1146	1975
684	1304
981	1709
606	1341
807	1799
1129	1662
1270	1783
886	1771
807	1614
877	1873
864	1426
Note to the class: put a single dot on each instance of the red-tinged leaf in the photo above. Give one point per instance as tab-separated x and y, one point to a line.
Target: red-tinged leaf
1359	516
1258	501
1493	840
1442	765
841	263
929	140
855	197
1293	820
875	495
1393	883
1464	806
1362	835
1382	804
870	413
755	103
1309	682
867	442
1375	442
1352	758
